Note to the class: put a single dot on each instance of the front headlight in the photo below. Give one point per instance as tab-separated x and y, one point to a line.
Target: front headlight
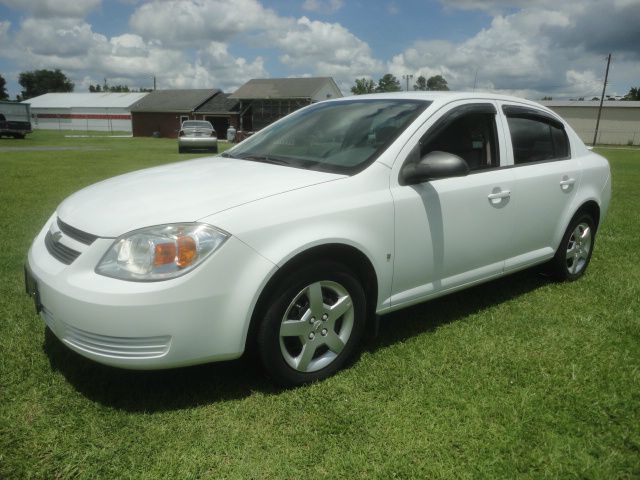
161	252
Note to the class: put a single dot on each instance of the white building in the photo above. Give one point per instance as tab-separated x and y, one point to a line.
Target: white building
103	111
619	121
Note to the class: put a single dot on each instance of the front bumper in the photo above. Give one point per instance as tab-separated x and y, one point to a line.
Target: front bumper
200	317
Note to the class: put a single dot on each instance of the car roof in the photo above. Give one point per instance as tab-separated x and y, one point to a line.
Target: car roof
441	98
444	97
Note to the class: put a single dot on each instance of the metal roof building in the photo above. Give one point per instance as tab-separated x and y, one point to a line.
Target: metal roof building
104	111
619	122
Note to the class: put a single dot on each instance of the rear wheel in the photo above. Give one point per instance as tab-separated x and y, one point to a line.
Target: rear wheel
313	325
181	150
574	253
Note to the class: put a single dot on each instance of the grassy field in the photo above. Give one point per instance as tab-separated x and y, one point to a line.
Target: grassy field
520	377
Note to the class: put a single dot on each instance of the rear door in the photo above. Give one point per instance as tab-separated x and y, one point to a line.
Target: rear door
545	177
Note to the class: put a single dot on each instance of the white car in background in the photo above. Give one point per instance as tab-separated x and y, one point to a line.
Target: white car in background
197	135
292	241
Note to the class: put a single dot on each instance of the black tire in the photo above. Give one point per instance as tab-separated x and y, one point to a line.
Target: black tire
579	238
181	150
214	150
331	340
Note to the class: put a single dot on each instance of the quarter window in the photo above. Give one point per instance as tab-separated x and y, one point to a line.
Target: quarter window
536	140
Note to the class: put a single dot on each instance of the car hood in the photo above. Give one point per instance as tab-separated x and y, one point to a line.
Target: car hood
179	192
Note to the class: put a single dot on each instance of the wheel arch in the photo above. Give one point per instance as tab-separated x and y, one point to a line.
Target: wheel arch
592	208
348	255
589	206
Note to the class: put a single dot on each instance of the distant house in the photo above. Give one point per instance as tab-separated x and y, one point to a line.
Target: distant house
163	111
221	111
619	122
104	111
265	100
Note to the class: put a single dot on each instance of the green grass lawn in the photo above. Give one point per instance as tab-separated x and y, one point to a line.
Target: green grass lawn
520	377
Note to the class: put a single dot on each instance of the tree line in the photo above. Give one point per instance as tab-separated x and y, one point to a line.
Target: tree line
39	82
389	83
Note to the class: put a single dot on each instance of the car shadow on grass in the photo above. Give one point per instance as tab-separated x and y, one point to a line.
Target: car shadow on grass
187	387
428	316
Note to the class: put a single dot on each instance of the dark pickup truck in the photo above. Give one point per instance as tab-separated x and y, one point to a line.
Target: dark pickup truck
15	119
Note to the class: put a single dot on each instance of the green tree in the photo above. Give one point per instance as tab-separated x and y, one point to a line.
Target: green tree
421	83
3	89
388	83
363	86
119	88
547	97
109	88
39	82
633	95
437	82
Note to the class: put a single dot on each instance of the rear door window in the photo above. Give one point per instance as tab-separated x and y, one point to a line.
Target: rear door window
536	136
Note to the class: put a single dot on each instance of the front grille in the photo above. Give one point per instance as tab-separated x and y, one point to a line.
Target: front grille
78	235
59	251
117	347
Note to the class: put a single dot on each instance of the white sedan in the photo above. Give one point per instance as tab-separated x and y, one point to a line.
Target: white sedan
292	241
197	135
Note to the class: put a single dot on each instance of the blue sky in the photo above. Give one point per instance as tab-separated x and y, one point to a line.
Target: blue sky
528	48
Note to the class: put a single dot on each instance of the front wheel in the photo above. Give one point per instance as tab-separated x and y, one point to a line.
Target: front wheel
313	325
574	253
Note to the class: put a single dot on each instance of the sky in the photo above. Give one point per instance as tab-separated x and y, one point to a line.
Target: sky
530	48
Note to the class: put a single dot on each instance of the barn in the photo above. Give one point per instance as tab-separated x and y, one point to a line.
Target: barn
104	111
619	121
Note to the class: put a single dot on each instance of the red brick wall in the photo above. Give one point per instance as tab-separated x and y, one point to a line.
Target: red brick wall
168	124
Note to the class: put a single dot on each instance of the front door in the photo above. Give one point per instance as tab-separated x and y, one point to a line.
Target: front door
454	231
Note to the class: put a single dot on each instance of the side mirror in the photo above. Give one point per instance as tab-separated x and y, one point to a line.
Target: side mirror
432	166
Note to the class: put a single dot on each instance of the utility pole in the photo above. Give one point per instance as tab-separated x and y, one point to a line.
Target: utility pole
154	82
407	78
604	87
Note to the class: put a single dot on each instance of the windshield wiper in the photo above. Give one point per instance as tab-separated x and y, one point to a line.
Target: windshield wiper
265	159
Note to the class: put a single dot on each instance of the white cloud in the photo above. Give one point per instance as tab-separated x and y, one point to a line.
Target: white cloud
4	37
585	82
54	8
326	49
88	57
226	71
180	23
322	6
540	50
61	37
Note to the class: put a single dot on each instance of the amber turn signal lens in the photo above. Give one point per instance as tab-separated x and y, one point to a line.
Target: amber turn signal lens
165	253
187	251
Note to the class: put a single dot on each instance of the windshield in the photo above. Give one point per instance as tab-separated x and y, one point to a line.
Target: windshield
196	124
338	137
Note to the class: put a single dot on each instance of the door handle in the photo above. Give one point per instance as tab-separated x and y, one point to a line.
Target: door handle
566	183
496	197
